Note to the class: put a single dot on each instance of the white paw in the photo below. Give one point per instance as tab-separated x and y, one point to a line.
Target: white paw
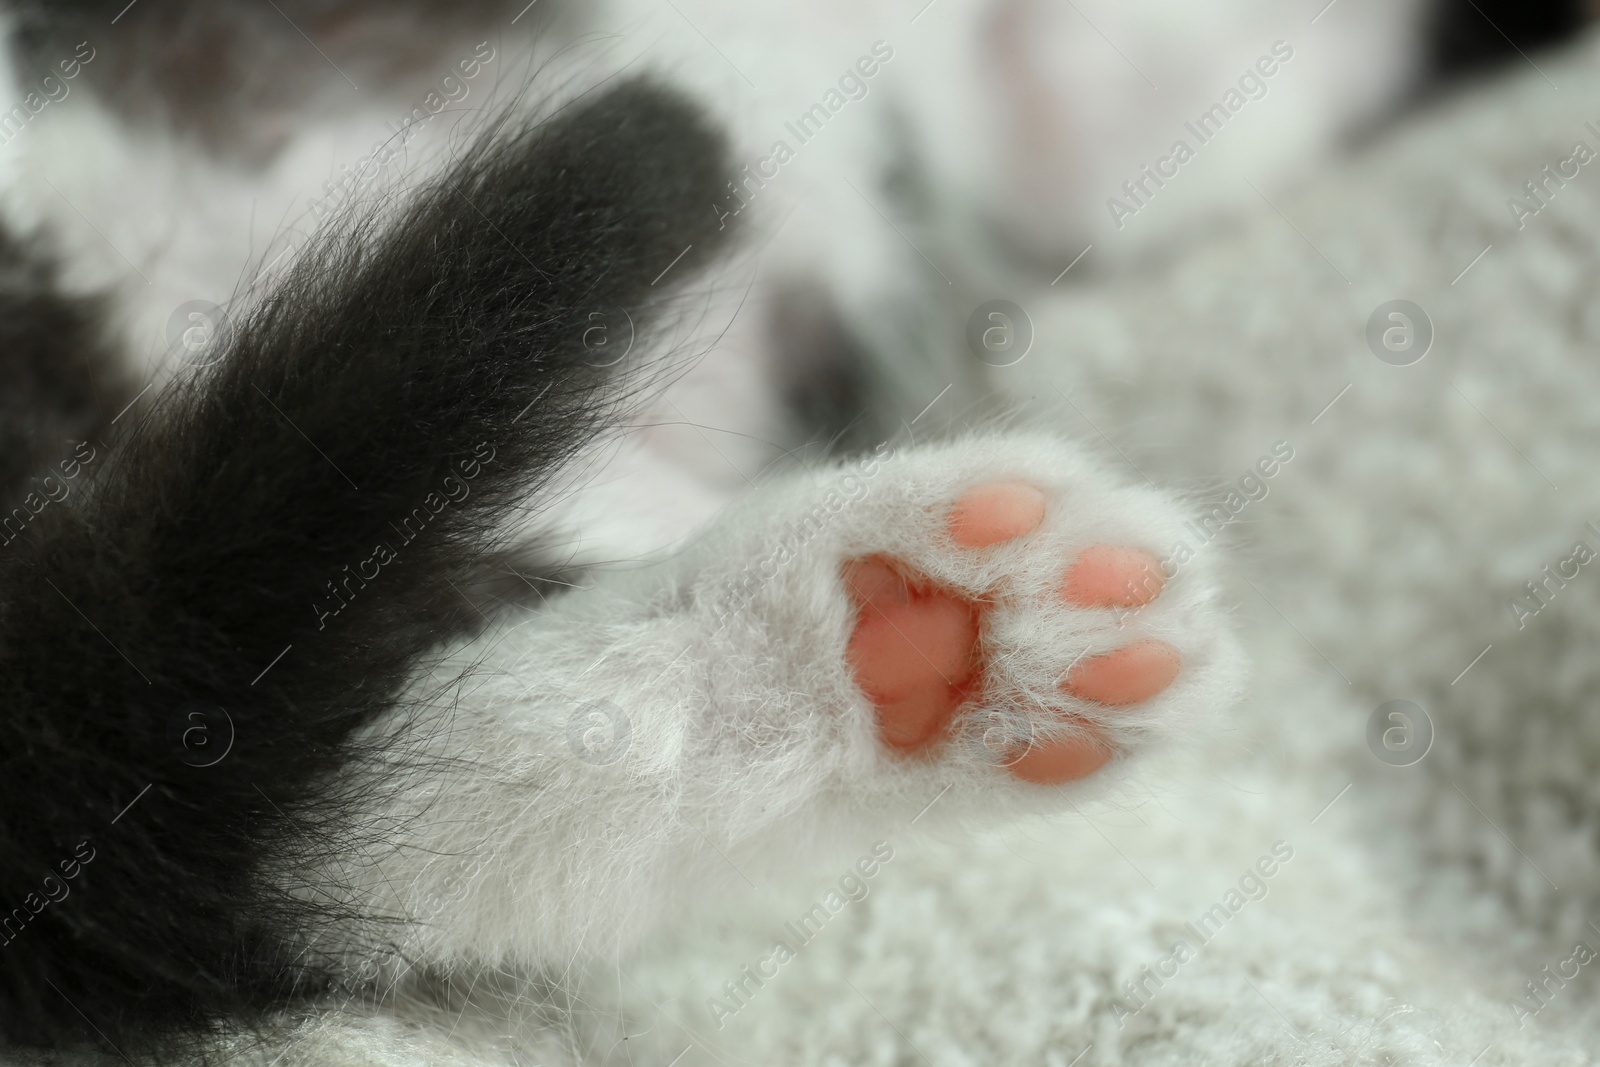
997	604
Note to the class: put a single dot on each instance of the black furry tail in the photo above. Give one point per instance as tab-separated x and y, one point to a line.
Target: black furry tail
190	635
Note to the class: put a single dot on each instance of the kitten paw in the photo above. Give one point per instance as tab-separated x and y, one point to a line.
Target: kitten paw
1012	627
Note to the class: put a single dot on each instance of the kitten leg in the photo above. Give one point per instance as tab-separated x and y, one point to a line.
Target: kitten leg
990	623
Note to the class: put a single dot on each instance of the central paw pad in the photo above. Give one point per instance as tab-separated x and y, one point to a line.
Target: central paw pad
921	653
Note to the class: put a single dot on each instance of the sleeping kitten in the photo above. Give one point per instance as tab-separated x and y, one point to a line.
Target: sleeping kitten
302	367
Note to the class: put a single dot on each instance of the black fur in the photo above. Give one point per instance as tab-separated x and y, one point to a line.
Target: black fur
188	572
1472	36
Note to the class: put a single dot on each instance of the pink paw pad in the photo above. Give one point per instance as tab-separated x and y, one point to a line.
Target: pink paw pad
916	650
1128	675
990	514
1113	576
